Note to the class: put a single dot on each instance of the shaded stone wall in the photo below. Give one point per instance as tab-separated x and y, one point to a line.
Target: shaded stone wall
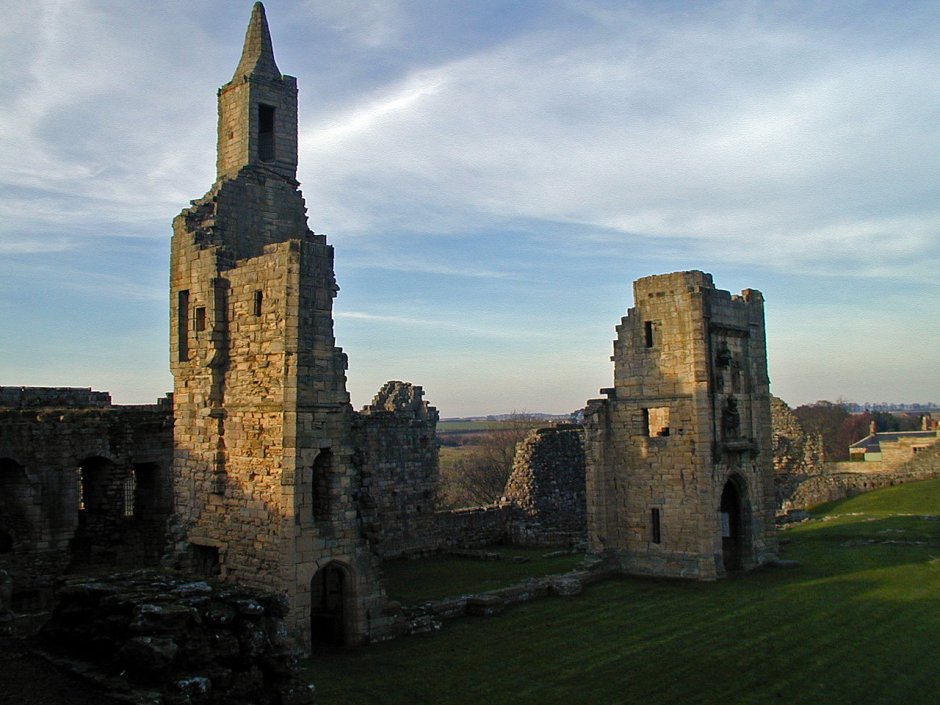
546	488
79	488
397	454
679	454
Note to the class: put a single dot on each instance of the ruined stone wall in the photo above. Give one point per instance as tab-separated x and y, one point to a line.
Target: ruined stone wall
151	637
797	454
685	431
839	485
55	397
397	453
546	488
80	488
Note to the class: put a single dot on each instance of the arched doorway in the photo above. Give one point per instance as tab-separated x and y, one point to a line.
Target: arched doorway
330	605
733	523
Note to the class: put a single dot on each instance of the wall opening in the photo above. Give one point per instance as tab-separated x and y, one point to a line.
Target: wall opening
656	533
146	489
648	334
130	494
256	303
331	605
322	479
204	560
266	132
182	324
200	318
17	511
734	524
656	421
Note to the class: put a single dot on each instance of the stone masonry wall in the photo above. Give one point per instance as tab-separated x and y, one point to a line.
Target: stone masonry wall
546	488
79	488
797	454
397	454
839	485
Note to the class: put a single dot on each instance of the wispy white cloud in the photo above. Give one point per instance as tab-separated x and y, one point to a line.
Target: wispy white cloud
434	325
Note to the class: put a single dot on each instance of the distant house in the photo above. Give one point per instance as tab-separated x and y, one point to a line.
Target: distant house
893	448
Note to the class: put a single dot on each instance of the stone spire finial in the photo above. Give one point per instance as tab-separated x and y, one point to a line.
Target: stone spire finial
258	53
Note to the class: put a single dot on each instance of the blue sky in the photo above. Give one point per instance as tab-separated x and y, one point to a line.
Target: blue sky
493	176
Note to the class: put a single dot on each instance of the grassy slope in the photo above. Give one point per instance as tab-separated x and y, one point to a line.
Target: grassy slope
858	622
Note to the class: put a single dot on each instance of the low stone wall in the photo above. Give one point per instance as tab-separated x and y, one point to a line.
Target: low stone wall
471	527
430	616
839	485
164	639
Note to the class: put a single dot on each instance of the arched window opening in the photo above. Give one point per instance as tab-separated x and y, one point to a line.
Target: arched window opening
322	481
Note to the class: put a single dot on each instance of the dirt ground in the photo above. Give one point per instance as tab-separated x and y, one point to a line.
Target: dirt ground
28	679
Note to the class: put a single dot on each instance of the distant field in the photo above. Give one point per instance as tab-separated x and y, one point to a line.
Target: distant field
857	623
466	426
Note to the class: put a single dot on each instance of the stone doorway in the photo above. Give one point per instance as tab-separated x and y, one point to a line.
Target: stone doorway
330	605
733	524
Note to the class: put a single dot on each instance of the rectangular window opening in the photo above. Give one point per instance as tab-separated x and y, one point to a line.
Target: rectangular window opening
256	306
182	322
130	494
656	422
266	133
656	529
200	318
648	333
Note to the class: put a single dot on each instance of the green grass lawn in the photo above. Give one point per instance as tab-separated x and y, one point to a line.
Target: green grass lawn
415	581
857	623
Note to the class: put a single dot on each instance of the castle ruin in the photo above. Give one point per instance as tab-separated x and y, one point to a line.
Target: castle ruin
679	466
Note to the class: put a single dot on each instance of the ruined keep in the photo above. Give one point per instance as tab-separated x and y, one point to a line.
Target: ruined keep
679	464
263	468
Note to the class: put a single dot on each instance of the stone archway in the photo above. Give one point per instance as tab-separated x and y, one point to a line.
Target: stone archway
734	515
332	605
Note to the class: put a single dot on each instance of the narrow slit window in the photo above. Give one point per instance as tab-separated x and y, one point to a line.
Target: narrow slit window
648	333
256	303
656	534
200	318
182	316
266	133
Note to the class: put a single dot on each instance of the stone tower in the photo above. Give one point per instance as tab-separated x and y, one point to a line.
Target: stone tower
679	455
263	473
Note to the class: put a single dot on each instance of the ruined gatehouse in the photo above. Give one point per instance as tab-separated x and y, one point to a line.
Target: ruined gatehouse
679	463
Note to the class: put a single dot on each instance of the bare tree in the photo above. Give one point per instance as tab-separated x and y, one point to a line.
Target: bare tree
478	475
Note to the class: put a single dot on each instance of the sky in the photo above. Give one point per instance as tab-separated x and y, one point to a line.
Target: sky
493	176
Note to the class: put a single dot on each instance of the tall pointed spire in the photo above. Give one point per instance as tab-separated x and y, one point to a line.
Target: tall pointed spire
258	53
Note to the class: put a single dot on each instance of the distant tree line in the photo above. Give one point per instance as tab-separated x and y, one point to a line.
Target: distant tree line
840	428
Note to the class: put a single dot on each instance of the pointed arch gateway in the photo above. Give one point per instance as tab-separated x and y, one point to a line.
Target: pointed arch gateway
735	523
